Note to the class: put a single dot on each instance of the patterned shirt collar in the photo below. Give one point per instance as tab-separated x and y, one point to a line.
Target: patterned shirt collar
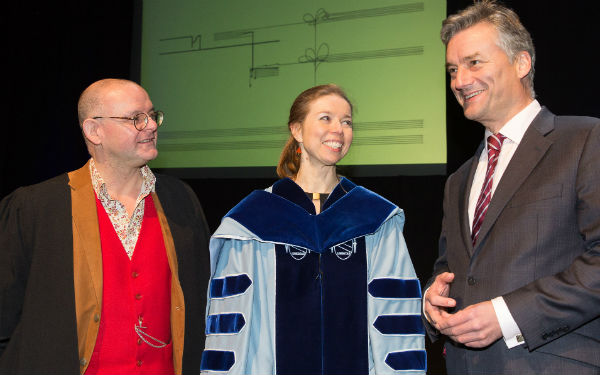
127	227
148	181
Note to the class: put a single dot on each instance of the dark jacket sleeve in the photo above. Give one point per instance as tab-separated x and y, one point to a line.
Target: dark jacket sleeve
37	310
557	304
440	266
13	267
190	236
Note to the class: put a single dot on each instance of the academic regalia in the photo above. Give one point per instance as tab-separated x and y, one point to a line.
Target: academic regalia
292	292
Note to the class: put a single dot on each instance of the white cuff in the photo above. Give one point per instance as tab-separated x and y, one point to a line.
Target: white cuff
423	306
510	329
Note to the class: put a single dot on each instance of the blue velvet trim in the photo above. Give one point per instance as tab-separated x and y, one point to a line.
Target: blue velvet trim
321	312
298	338
395	288
415	360
229	286
356	213
399	325
340	190
224	323
217	360
289	190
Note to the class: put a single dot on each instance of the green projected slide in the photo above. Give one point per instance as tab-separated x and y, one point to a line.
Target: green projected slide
226	73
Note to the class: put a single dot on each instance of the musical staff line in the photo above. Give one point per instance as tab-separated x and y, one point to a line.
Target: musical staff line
277	144
216	47
282	131
315	55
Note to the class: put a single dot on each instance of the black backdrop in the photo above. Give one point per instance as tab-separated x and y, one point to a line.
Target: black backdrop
53	50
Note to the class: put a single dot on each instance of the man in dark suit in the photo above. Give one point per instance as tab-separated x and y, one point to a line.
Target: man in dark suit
516	287
104	269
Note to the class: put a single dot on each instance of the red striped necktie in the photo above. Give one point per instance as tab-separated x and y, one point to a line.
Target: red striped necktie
494	143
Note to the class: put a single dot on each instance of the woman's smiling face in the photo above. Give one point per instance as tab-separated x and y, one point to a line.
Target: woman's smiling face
325	134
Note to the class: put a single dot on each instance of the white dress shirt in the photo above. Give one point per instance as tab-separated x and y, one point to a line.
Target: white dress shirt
513	130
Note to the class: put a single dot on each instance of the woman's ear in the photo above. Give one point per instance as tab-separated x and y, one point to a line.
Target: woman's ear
296	130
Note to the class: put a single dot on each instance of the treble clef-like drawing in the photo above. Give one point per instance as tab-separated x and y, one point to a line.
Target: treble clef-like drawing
312	56
312	19
315	55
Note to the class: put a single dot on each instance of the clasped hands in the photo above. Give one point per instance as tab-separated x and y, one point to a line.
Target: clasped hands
475	326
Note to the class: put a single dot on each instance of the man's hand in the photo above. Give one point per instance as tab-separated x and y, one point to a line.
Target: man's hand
436	299
476	326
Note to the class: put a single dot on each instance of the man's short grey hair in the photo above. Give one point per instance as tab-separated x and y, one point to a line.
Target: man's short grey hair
91	99
512	35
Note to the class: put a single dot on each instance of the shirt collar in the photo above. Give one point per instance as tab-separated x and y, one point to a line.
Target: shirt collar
148	181
515	128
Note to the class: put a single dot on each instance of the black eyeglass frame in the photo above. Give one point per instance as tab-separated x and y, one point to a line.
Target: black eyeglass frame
157	116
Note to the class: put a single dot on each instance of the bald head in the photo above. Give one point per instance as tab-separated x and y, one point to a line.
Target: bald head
93	99
113	101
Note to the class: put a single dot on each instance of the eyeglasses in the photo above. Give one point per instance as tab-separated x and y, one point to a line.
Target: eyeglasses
140	120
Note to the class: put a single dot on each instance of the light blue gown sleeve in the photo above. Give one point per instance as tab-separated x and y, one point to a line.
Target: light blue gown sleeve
240	317
389	264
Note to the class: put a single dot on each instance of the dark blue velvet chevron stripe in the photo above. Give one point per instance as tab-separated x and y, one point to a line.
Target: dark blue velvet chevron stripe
395	288
399	325
415	360
224	323
229	286
357	213
217	360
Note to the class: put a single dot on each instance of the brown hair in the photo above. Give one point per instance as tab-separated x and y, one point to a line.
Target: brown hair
512	35
289	161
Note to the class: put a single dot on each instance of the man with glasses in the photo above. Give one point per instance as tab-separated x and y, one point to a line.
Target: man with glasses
104	269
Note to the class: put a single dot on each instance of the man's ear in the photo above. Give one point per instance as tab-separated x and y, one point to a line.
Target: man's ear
90	128
523	64
296	129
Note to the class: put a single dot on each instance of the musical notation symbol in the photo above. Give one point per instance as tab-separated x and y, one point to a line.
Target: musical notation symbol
312	19
312	56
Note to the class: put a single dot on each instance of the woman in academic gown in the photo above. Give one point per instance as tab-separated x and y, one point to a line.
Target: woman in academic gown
312	275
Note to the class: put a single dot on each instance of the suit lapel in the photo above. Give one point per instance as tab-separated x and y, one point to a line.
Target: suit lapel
533	147
465	188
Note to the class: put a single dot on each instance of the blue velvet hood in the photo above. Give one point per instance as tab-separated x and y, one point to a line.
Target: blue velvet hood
286	215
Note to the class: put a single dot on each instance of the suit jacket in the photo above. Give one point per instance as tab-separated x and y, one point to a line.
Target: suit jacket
51	273
539	248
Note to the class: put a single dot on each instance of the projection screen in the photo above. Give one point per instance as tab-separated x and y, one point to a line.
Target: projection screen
226	73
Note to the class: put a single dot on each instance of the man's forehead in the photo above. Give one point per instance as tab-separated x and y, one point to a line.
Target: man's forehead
126	96
473	42
122	88
481	31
